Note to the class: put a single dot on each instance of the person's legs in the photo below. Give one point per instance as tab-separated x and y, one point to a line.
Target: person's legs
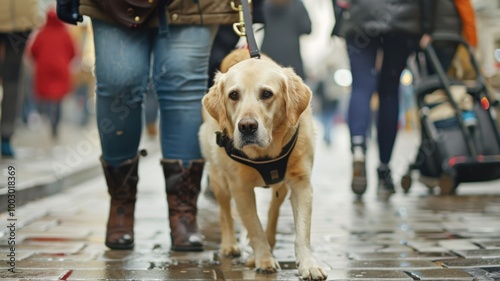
11	72
180	75
364	83
54	117
122	70
396	51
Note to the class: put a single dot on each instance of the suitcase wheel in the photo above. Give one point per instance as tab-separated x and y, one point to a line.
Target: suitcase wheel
406	183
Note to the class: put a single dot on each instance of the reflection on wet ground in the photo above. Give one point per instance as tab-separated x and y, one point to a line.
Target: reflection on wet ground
413	237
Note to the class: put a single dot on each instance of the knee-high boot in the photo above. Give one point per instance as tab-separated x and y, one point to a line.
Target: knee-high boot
183	186
122	187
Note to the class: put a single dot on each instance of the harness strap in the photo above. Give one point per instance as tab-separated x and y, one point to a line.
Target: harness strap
272	170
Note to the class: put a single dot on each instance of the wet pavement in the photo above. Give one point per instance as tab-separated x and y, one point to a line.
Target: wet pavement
415	236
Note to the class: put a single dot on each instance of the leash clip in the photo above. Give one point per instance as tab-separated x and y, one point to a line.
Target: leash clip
239	27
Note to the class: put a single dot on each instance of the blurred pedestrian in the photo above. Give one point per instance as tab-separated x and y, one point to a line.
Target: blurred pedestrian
372	25
179	37
53	50
454	17
17	19
285	22
327	110
369	26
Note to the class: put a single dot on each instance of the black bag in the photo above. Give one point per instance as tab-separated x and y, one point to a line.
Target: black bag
67	11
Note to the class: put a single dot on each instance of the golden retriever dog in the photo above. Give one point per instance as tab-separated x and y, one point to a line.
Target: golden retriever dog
257	117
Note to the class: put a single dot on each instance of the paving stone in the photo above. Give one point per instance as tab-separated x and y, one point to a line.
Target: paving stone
493	273
441	274
42	274
495	209
425	246
82	257
41	225
69	264
394	249
110	255
247	275
114	274
391	264
477	273
481	253
368	275
488	243
370	228
192	256
473	262
401	256
458	244
477	235
54	235
455	226
422	227
434	235
34	264
19	255
48	247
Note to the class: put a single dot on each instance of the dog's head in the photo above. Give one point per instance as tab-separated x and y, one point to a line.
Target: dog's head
256	98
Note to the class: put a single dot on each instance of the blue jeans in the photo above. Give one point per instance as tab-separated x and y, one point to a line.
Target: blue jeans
179	71
366	80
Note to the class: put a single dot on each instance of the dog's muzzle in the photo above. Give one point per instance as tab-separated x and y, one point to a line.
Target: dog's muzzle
248	128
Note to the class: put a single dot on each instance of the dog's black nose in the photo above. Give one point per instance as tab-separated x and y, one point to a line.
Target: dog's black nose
248	126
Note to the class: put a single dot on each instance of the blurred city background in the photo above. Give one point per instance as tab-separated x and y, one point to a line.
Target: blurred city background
322	54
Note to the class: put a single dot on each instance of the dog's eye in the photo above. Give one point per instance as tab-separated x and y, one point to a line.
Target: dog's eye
266	94
233	95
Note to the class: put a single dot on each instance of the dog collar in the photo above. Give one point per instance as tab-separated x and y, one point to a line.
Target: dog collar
272	170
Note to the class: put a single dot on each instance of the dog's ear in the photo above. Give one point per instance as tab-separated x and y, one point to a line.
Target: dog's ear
297	96
213	101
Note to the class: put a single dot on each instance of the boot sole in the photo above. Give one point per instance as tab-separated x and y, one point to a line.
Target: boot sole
120	246
188	249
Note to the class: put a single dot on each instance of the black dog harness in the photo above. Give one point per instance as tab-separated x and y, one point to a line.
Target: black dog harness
272	170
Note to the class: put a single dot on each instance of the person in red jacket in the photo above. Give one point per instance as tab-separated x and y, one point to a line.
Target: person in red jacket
52	51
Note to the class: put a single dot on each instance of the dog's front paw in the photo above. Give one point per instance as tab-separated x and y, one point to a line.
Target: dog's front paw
230	250
267	265
310	270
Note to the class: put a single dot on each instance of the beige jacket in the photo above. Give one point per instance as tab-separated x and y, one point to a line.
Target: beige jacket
18	15
178	12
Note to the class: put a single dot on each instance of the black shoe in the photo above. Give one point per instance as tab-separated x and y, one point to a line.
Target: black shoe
385	184
359	183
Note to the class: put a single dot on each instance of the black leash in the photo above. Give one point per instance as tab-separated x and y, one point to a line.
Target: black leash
246	22
252	44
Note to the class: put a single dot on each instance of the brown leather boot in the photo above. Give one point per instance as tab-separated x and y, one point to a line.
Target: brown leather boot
122	187
183	186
